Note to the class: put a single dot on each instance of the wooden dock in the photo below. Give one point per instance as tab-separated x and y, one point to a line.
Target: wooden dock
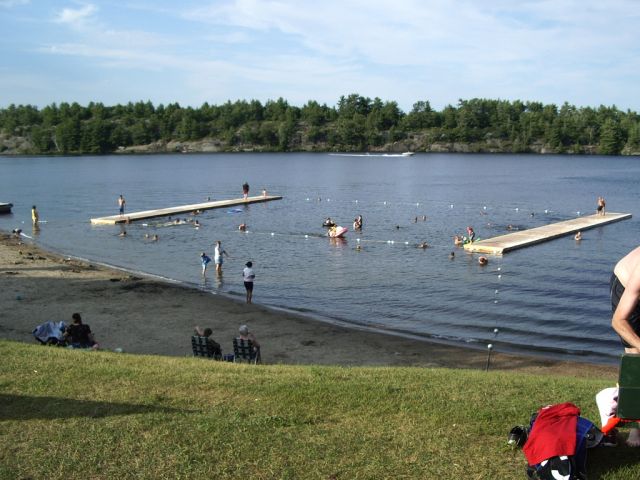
525	238
162	212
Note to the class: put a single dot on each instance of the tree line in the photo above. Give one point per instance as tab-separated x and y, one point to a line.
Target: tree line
356	123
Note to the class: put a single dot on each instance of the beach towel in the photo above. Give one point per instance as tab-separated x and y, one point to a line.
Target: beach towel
50	332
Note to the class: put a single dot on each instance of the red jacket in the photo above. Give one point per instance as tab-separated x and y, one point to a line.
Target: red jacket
553	433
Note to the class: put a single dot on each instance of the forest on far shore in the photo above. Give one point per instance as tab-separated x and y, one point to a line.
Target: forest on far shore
355	124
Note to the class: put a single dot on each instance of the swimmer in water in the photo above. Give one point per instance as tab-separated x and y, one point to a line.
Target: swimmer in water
242	227
458	240
483	261
452	255
578	237
123	233
155	238
423	245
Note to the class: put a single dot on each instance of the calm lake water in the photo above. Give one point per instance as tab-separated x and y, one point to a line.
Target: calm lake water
551	298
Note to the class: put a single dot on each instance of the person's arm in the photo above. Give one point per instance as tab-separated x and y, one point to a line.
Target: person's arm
626	306
199	331
253	340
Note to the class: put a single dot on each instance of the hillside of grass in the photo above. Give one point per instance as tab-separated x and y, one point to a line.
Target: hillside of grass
76	414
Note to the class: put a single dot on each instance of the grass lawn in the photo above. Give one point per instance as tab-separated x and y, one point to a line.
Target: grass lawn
75	414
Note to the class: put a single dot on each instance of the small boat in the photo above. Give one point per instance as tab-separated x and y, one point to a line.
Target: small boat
5	207
407	154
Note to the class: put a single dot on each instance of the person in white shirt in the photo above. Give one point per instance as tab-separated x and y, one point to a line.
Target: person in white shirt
218	252
248	276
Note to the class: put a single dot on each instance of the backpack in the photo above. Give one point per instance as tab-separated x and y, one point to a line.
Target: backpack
565	467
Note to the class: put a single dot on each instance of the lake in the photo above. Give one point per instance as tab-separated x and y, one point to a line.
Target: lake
550	299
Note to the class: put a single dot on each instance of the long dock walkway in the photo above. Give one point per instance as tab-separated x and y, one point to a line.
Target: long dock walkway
525	238
162	212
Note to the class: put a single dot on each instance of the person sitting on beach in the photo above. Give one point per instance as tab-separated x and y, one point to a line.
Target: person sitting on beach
79	335
245	335
206	332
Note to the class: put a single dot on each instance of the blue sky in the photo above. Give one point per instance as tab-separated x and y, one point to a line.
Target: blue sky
582	51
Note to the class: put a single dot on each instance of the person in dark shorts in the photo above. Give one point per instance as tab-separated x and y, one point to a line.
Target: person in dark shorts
245	190
625	303
121	203
248	277
79	335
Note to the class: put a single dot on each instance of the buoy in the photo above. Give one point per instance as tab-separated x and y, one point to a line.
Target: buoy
358	240
485	207
418	204
495	301
406	243
499	277
517	209
272	234
451	206
496	291
495	331
385	202
306	236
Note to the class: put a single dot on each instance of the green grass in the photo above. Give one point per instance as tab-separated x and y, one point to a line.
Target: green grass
76	414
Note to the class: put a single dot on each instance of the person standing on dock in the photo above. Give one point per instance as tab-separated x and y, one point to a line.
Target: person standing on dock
35	218
625	303
601	205
245	190
121	204
218	253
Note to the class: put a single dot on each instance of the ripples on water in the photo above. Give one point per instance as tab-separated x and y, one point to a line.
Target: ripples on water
552	297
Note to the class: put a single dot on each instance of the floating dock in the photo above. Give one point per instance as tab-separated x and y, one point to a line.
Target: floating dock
525	238
162	212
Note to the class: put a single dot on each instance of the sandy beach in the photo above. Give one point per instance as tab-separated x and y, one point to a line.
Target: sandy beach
143	315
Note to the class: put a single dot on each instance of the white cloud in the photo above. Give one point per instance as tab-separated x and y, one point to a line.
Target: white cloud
76	17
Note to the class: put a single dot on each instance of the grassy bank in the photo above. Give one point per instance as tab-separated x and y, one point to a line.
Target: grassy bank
75	414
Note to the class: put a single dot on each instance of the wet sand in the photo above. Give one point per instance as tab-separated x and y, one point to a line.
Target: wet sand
148	316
